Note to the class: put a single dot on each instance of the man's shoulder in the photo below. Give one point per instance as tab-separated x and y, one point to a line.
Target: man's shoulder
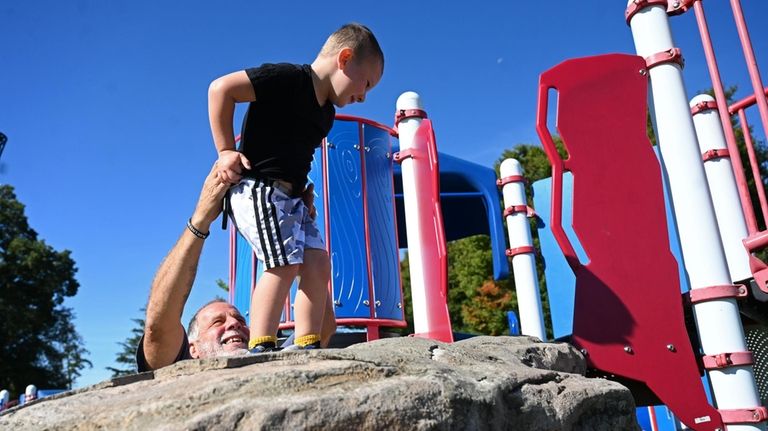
141	360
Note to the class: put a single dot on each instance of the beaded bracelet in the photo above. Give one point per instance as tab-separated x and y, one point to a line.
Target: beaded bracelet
195	231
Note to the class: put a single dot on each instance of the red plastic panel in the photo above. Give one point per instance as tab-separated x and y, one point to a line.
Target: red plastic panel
628	311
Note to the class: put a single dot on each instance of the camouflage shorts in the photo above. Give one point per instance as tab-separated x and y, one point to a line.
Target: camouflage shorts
277	226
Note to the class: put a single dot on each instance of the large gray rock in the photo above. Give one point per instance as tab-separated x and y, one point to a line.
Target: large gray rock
512	383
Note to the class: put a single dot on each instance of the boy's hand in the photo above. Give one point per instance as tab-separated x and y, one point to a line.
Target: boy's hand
308	196
230	166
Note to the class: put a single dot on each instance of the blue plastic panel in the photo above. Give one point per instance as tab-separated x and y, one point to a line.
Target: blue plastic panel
665	420
349	272
471	206
560	279
385	263
243	273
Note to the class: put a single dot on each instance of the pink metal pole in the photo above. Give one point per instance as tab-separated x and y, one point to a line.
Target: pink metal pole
756	242
232	261
745	102
749	56
755	165
372	327
725	118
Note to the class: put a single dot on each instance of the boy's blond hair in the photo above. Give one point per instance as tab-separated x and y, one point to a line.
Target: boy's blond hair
356	36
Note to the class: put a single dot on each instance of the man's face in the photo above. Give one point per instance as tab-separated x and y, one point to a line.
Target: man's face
222	331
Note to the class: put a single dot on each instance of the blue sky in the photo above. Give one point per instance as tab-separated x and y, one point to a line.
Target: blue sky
104	104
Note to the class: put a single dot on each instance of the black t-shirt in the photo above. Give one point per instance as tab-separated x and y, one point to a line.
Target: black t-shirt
285	124
141	361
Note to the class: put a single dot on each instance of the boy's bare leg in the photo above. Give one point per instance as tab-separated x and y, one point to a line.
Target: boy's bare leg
268	298
329	322
312	297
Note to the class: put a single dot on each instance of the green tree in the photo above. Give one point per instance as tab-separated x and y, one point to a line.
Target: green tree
38	343
486	311
405	282
221	284
470	289
74	357
127	355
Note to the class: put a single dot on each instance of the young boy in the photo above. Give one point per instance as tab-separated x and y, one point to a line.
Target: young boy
291	110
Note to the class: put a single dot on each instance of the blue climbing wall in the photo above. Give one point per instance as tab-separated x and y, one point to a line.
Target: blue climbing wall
349	276
385	259
361	289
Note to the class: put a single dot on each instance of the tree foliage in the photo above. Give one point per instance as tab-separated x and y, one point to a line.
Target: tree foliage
126	357
38	342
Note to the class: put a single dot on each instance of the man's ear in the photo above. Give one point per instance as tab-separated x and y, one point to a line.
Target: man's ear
344	57
193	352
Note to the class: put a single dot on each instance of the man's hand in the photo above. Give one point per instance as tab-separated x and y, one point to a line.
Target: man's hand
308	196
230	166
209	203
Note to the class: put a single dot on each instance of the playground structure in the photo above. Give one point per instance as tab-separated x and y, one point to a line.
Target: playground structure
681	219
359	176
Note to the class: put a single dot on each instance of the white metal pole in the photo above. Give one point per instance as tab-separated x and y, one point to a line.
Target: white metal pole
722	187
523	264
407	130
718	321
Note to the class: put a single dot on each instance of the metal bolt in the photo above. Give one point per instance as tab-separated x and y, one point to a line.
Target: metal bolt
367	149
584	352
671	347
356	146
643	72
378	303
366	302
676	4
399	305
331	145
337	303
388	155
627	349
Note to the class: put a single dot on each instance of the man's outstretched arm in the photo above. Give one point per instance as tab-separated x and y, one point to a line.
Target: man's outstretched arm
163	331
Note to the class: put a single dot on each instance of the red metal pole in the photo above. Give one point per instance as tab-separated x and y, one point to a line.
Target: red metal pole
372	327
745	102
749	56
755	165
725	118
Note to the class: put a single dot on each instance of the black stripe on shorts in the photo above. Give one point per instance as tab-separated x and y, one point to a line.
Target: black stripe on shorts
260	224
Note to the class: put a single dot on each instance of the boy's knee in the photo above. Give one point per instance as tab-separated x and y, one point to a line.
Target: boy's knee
286	271
316	263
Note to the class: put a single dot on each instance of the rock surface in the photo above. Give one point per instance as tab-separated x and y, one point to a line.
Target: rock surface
483	383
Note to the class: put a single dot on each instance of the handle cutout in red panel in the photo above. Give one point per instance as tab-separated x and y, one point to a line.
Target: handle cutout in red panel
556	149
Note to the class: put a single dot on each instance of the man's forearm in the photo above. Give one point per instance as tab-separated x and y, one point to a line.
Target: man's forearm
163	332
173	282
